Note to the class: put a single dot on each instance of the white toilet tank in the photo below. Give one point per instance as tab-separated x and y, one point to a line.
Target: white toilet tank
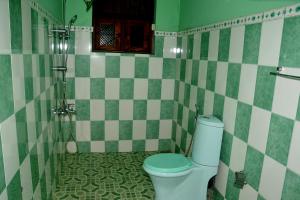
207	141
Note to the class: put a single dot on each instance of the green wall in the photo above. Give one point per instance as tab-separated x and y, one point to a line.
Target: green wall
52	6
195	13
167	14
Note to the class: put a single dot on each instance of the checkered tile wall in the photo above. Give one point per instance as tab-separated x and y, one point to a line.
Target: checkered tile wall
226	72
124	102
27	144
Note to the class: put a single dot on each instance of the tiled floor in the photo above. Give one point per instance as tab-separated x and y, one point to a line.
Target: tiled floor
106	176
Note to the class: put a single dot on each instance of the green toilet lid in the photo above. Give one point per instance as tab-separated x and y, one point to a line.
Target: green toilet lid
167	163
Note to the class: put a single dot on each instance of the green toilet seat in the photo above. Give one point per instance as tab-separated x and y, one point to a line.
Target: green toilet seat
167	163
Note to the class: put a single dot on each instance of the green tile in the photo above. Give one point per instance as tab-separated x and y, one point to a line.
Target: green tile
242	121
233	80
200	100
180	114
125	130
154	89
43	187
139	109
166	109
112	66
28	80
291	189
176	91
138	145
251	43
183	140
174	124
253	166
191	122
164	145
84	147
290	50
211	75
97	88
111	146
217	195
71	42
279	139
218	106
141	67
179	46
226	147
34	164
15	26
14	189
159	46
298	110
22	135
232	192
97	130
182	69
111	109
190	46
195	72
187	94
83	110
224	43
126	88
34	31
6	88
152	131
2	173
204	46
70	87
82	66
264	88
260	197
169	68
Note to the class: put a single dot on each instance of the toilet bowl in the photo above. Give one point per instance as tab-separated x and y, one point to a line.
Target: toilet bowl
176	177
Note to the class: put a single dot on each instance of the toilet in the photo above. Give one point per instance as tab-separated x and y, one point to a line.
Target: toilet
176	177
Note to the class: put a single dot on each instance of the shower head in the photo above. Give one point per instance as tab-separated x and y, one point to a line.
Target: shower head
72	21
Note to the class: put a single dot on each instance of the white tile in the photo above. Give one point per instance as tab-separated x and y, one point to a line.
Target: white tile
270	41
197	45
97	66
97	110
37	193
155	68
9	143
185	118
247	83
48	178
125	145
178	135
151	145
181	92
40	155
193	98
83	42
83	131
153	109
208	102
111	130
25	175
236	44
294	155
41	35
82	88
238	154
286	96
26	27
221	77
188	71
169	44
202	74
221	178
4	27
272	179
139	130
30	116
259	128
165	129
127	67
248	193
97	146
229	114
18	81
140	89
167	89
126	110
213	49
112	88
3	195
71	66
